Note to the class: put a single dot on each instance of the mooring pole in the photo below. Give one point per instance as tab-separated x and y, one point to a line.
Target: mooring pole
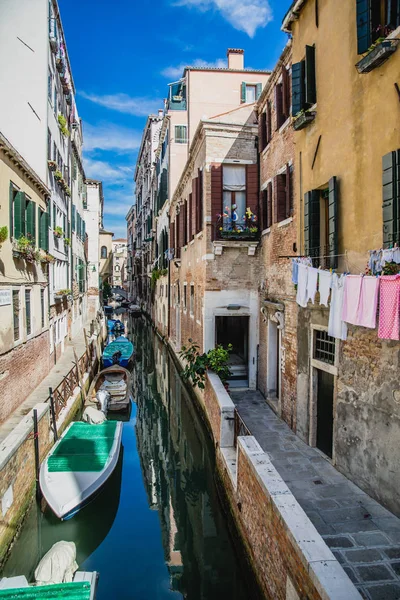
53	414
37	458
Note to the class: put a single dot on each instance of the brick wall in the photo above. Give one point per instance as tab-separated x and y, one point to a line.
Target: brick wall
29	362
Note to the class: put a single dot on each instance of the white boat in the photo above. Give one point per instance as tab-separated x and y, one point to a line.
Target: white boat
78	465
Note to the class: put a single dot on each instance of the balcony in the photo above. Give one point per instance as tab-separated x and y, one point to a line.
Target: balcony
228	235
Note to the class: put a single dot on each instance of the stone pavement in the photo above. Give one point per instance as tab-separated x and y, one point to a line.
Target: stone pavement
53	379
362	534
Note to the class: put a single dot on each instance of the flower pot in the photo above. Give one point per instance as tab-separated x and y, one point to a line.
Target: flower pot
377	56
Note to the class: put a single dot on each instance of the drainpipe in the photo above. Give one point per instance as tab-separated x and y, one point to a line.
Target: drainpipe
169	281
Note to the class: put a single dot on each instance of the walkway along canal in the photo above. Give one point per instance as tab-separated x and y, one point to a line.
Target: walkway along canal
157	529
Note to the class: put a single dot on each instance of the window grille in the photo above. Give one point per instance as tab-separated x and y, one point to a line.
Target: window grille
324	347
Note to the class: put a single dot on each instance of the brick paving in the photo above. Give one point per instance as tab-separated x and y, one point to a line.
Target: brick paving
362	534
53	379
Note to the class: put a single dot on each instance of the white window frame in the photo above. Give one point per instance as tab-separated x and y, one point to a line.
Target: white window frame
180	140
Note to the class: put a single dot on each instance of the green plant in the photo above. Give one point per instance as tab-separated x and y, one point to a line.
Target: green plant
58	232
163	272
67	191
3	234
106	291
52	165
62	123
155	276
58	175
67	241
198	364
26	246
65	292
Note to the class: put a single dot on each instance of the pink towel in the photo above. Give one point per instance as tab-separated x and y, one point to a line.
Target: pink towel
351	299
389	307
368	302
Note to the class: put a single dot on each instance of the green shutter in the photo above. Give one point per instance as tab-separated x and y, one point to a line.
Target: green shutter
258	90
43	221
298	87
30	220
243	92
311	90
11	198
54	215
19	214
83	229
391	199
312	223
363	26
73	217
333	223
65	225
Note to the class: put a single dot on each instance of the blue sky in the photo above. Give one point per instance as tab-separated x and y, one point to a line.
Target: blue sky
123	54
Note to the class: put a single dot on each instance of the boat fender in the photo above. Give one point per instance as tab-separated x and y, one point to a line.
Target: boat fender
103	399
58	565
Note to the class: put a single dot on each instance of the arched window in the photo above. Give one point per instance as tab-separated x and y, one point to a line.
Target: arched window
103	252
117	267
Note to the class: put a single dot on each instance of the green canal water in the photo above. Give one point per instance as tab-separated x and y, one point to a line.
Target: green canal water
157	530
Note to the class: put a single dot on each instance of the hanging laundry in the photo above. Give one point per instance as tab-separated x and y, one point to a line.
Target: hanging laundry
351	298
312	281
301	297
387	256
295	270
396	255
336	327
375	262
325	280
389	307
368	302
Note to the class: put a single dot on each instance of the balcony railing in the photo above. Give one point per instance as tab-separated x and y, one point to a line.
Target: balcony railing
231	231
241	428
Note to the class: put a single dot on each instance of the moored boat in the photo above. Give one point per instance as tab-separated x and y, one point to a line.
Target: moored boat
78	465
117	381
119	352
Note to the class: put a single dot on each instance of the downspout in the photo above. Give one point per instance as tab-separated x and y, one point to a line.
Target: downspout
169	280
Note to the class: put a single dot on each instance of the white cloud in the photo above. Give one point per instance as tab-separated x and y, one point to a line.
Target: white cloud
139	107
104	171
107	136
176	72
244	15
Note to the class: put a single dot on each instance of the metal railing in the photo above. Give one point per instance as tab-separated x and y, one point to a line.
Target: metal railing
240	428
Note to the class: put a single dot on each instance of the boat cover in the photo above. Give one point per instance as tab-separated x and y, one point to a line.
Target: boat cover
93	416
58	565
59	591
125	347
83	448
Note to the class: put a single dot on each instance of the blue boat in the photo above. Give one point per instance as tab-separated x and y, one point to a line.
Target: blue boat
118	352
115	326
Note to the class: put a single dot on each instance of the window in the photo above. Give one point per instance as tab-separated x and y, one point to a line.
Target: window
375	19
391	198
48	145
30	219
54	215
42	306
284	195
103	252
191	306
28	312
282	99
250	92
266	212
177	95
16	310
55	101
185	296
50	85
117	268
321	225
265	127
234	198
54	152
324	349
304	92
17	212
180	134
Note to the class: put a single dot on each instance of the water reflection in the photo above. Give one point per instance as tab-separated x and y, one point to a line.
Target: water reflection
156	531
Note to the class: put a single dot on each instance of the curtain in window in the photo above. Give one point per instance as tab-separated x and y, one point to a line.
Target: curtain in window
234	178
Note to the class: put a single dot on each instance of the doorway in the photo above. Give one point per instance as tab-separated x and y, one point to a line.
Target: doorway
325	388
235	331
273	361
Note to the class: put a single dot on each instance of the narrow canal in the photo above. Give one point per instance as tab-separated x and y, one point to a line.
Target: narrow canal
157	529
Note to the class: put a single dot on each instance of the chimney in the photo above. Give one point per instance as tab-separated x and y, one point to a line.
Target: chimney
235	59
160	112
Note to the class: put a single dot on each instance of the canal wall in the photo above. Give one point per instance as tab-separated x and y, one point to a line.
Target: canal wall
17	456
288	556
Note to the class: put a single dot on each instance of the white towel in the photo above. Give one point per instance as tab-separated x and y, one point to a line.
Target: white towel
336	327
325	281
312	281
301	297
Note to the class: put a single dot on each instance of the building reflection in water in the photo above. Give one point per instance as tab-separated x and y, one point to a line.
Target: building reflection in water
177	465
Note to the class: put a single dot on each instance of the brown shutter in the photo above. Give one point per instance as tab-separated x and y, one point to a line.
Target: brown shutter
262	131
216	195
268	126
269	205
199	211
178	234
172	237
287	191
190	217
194	201
285	93
264	209
252	188
185	223
278	105
280	198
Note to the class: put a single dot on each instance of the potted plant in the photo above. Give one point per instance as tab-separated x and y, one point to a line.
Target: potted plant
59	64
3	234
67	191
58	175
62	123
198	364
45	257
52	165
58	232
303	118
379	51
25	248
61	294
67	241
